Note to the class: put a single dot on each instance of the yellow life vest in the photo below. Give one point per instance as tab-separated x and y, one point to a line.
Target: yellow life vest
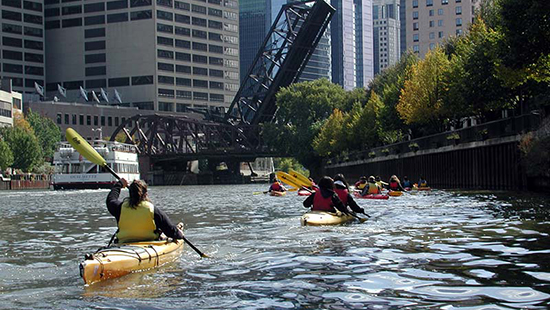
362	185
137	224
373	188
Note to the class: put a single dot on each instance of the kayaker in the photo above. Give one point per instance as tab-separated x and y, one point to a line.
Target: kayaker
381	183
325	199
342	190
137	218
395	184
407	183
362	183
277	187
373	188
422	182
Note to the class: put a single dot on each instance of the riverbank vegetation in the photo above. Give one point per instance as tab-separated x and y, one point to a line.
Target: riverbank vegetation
501	64
29	145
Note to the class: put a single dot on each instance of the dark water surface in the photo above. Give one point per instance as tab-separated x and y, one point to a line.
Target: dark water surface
438	250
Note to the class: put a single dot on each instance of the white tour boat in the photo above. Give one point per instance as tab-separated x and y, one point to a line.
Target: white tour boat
72	171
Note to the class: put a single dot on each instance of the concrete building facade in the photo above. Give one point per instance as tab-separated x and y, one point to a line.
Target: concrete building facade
427	23
23	45
10	102
352	43
387	34
160	55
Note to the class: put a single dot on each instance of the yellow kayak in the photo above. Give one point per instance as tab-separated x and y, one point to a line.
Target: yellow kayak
121	259
316	218
288	179
304	181
395	193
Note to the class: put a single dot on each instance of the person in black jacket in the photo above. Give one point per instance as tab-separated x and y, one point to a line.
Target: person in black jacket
325	199
137	218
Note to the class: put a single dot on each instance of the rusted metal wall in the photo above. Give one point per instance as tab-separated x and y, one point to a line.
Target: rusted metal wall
481	166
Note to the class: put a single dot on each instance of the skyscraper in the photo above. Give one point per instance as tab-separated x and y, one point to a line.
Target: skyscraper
352	43
163	55
22	58
426	23
387	37
256	18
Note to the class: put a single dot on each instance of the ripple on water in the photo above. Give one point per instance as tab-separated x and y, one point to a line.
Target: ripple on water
503	294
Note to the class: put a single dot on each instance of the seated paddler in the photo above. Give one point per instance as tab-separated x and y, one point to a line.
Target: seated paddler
325	199
137	218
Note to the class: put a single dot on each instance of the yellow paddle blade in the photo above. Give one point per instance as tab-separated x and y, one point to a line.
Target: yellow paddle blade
305	181
83	147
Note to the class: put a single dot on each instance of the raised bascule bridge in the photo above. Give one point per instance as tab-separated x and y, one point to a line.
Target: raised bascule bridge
171	142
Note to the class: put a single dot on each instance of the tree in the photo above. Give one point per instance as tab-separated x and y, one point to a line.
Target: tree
19	121
25	148
474	88
46	131
329	141
6	156
422	96
302	110
365	125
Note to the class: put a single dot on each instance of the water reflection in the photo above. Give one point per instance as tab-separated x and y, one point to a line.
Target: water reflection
429	250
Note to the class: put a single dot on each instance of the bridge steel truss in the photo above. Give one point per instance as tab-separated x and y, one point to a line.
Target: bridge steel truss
286	50
285	53
189	139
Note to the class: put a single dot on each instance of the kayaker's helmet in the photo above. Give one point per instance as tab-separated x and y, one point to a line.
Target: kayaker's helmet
340	178
378	178
363	178
371	179
405	178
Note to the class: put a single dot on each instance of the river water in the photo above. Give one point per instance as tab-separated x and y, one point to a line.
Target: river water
436	250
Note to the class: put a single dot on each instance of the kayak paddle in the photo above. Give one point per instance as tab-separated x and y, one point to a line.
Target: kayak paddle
87	151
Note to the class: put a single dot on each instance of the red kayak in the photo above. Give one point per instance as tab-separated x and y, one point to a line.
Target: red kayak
304	193
372	196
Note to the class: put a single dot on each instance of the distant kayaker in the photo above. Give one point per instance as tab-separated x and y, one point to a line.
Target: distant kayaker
422	182
325	199
342	190
362	183
381	183
395	184
407	183
137	218
372	187
277	187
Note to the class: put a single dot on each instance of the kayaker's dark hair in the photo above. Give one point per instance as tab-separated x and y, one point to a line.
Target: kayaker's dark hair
138	193
326	183
340	177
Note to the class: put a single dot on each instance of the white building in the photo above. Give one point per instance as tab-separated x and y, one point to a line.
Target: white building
10	102
387	33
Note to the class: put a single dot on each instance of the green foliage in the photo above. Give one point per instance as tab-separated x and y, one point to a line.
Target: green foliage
331	138
285	164
25	148
453	136
365	125
422	95
6	156
414	146
302	110
46	131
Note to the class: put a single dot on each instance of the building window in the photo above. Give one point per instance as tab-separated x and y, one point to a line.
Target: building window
94	58
184	19
165	67
93	71
200	59
94	20
81	119
33	19
444	2
183	44
66	119
95	45
415	3
137	3
459	22
12	3
88	120
429	2
142	80
181	6
200	83
103	121
200	71
139	15
166	106
415	26
12	55
59	118
183	94
415	37
181	31
183	56
216	85
166	80
123	81
7	41
109	121
199	21
183	69
11	15
116	5
9	28
69	10
183	82
432	46
11	68
440	23
165	54
165	41
458	32
117	18
415	14
165	28
416	48
215	12
458	10
96	118
432	35
94	7
440	34
34	32
165	15
432	23
216	98
163	92
431	12
440	12
200	46
198	9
